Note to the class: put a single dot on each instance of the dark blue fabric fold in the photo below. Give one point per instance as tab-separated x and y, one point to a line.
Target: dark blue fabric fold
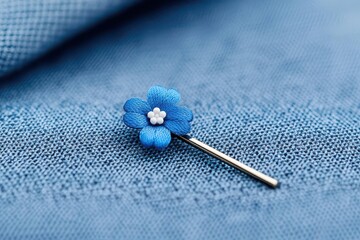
28	29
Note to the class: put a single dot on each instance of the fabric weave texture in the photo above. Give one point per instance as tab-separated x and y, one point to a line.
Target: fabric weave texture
29	29
275	84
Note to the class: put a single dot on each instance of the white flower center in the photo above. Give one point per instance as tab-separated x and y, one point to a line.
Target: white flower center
156	116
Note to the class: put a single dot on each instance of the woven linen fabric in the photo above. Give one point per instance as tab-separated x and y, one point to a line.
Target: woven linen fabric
30	28
274	84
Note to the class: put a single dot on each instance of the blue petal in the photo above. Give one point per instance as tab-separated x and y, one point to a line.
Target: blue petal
179	127
162	137
135	120
137	105
147	136
178	113
160	97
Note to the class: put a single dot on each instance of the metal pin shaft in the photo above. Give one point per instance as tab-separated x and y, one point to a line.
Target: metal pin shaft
229	160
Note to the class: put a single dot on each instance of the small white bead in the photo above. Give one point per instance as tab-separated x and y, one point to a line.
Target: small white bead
160	120
156	110
150	114
156	116
162	114
153	120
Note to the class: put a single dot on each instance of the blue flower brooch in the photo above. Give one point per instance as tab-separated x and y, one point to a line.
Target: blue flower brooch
160	118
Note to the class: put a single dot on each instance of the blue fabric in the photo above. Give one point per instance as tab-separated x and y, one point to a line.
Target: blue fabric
29	29
274	84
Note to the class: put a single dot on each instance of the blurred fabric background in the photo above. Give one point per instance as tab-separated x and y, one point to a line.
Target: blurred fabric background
275	84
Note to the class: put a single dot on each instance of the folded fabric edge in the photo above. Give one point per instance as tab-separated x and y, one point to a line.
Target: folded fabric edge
124	13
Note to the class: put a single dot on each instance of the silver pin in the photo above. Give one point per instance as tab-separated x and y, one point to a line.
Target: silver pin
229	160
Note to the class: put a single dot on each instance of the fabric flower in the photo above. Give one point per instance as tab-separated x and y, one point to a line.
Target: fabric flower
158	117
